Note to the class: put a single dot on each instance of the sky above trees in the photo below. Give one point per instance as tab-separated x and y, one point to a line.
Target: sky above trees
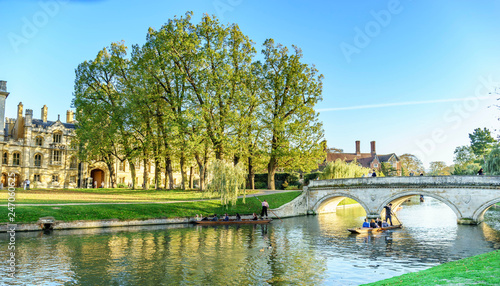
415	76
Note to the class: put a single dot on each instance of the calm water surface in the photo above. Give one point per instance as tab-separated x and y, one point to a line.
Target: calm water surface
314	250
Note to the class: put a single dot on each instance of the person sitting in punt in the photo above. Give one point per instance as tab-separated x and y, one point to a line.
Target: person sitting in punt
205	218
255	217
238	217
198	217
366	223
385	224
373	224
378	222
226	218
215	218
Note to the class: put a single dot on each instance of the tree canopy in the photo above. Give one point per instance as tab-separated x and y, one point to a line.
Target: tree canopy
194	93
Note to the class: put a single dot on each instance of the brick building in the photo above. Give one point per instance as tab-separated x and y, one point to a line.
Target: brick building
370	160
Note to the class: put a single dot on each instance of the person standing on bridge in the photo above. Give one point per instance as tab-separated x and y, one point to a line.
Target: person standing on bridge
388	213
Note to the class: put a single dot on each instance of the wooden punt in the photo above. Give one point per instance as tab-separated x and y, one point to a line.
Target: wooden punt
243	221
371	230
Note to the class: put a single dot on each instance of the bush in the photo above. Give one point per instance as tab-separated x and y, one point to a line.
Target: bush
310	176
122	186
293	187
260	185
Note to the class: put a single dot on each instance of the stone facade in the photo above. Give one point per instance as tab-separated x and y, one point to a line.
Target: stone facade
40	150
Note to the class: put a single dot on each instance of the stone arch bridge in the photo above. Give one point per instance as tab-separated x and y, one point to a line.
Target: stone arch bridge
468	196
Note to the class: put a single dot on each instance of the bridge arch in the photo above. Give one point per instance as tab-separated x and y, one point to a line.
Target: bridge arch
399	198
334	199
479	213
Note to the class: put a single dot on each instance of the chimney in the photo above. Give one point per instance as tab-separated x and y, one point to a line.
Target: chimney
44	113
69	116
28	117
20	110
3	85
373	147
358	149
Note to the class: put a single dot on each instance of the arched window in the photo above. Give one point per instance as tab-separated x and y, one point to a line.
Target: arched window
57	137
56	157
38	141
5	158
16	158
38	160
72	163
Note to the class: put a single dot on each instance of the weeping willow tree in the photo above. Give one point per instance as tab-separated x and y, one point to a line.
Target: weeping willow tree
226	181
492	162
340	169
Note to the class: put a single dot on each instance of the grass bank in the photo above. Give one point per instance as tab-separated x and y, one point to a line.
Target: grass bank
483	269
30	214
60	196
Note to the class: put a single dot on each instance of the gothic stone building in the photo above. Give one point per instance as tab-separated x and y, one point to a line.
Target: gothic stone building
40	150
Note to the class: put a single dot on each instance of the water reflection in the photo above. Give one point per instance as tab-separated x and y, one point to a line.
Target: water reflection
315	250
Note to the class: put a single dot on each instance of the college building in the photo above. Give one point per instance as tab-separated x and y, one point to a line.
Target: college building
370	160
39	150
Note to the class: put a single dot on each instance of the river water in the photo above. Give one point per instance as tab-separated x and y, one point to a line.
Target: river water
313	250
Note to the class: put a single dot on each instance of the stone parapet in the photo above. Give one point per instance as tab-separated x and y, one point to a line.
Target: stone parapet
408	182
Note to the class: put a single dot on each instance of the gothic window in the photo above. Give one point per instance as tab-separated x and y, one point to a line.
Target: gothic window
55	178
56	156
121	166
5	158
57	137
72	163
38	141
36	178
16	158
38	160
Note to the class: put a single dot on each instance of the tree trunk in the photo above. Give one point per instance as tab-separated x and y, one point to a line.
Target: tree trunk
183	172
201	168
169	173
157	174
112	174
132	172
191	177
271	171
236	160
145	184
251	174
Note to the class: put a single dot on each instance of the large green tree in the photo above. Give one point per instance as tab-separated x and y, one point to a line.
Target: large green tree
292	129
492	162
481	141
410	163
439	168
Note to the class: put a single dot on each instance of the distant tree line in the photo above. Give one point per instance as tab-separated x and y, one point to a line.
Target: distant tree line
195	93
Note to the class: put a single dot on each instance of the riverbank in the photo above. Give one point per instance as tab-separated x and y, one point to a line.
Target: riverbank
122	214
481	269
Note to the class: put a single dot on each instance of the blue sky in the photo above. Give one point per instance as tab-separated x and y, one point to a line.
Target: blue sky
415	76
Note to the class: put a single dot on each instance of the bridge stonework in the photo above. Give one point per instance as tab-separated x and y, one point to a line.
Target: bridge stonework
468	196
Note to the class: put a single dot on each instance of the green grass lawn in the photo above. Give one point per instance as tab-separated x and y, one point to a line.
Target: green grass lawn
481	269
58	196
27	214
